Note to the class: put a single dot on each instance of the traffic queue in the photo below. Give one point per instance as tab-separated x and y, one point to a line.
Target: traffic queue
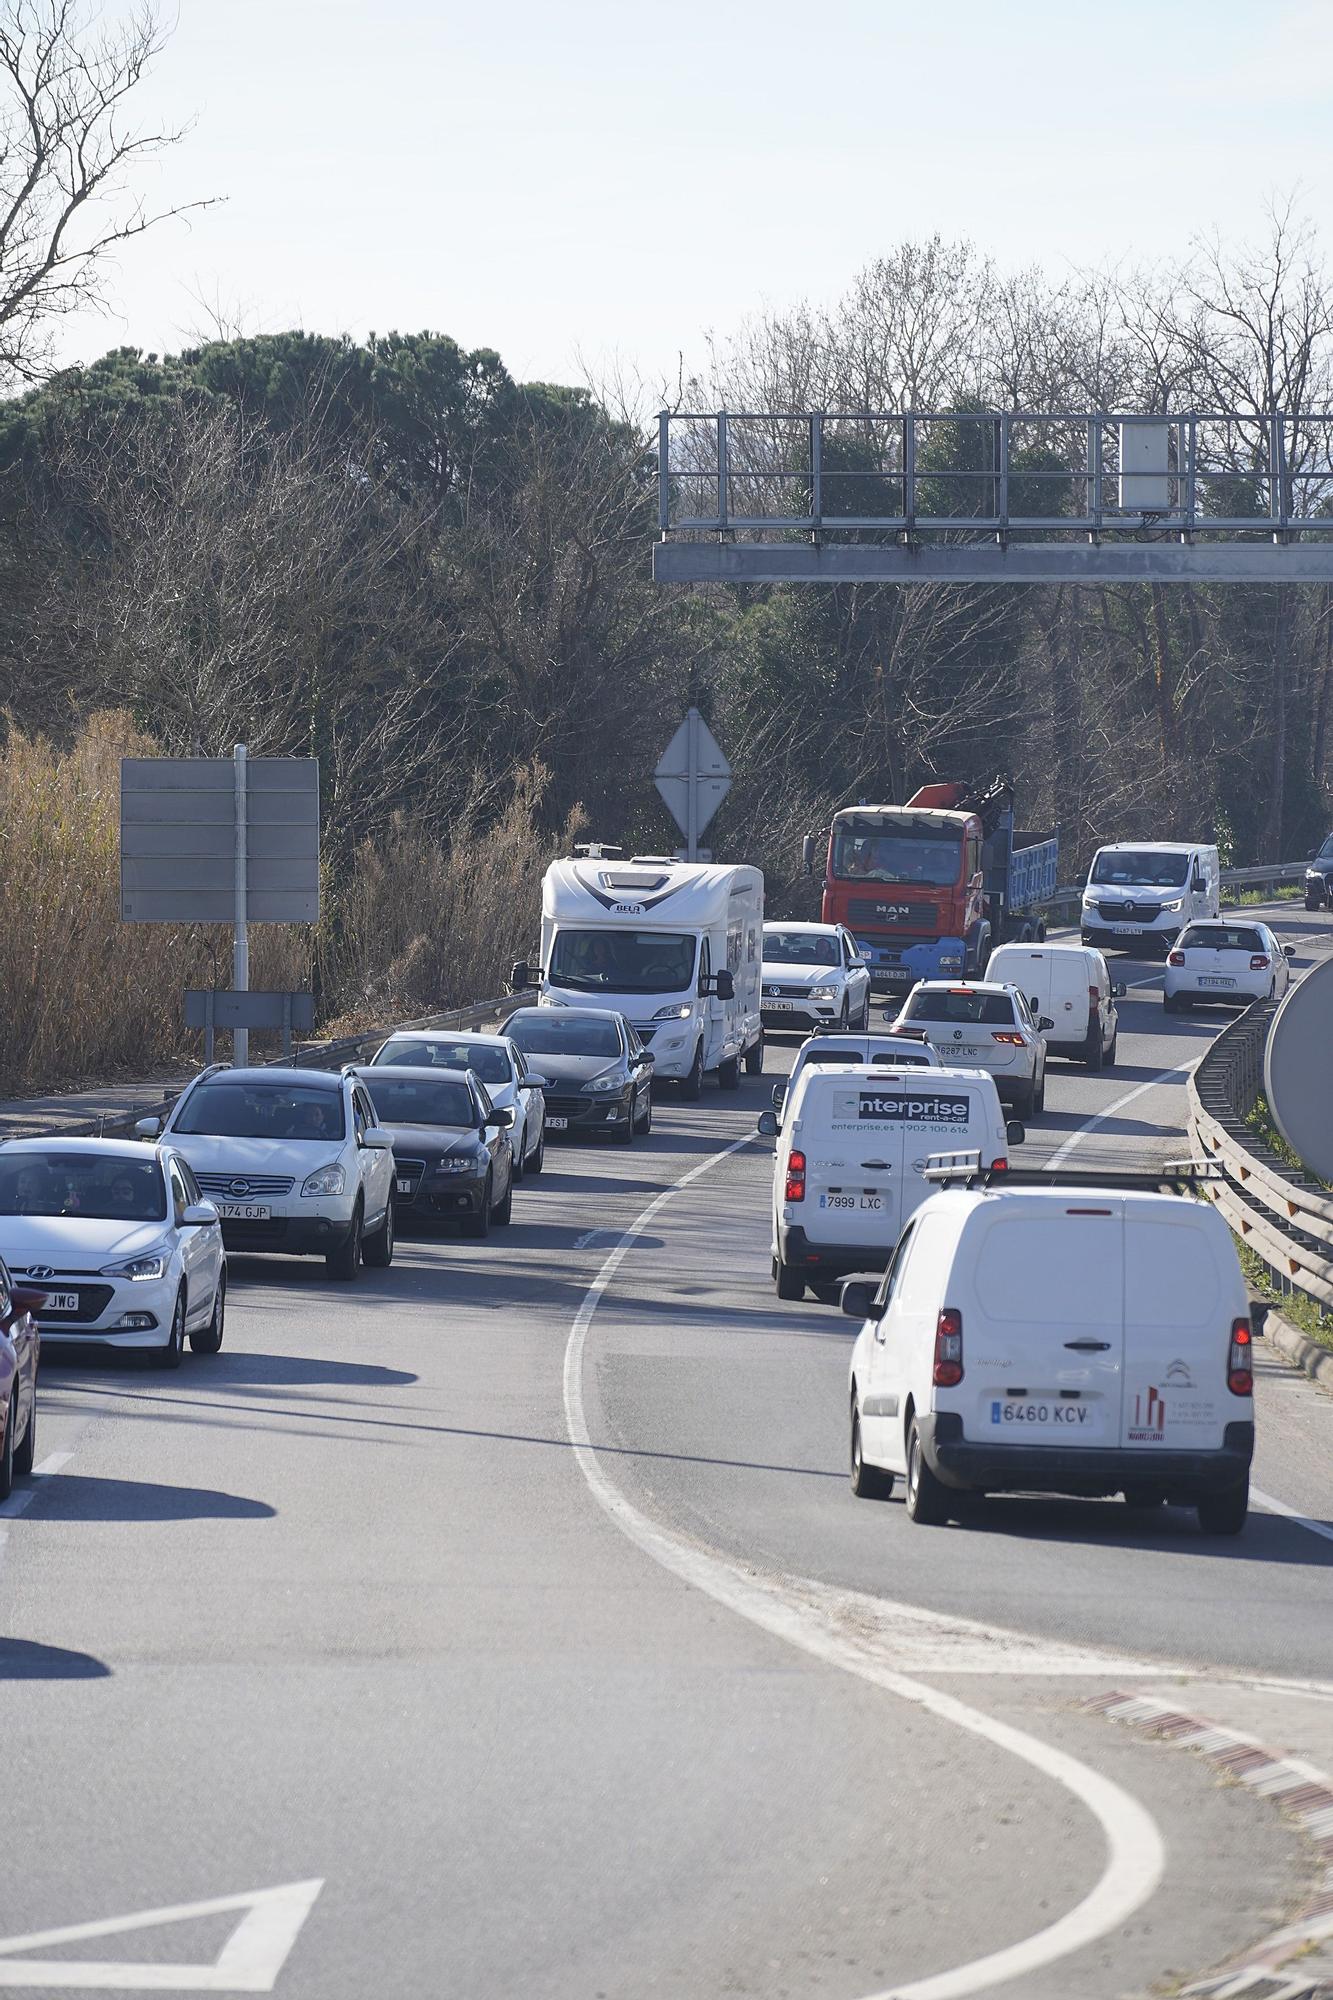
892	1149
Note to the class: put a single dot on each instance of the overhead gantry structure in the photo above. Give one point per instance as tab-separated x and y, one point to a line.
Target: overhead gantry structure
1012	496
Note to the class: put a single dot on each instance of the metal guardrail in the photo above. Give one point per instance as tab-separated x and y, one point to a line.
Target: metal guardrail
1284	1217
1268	874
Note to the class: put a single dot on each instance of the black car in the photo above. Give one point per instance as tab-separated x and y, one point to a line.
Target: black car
599	1076
1319	876
452	1158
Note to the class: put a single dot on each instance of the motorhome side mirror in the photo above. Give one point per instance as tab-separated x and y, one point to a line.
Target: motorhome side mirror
1119	990
858	1297
1015	1132
520	976
808	854
1044	1022
147	1128
768	1125
724	985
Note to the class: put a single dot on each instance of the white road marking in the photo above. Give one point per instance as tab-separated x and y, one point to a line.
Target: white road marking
21	1498
249	1961
1272	1506
52	1463
1100	1117
1136	1854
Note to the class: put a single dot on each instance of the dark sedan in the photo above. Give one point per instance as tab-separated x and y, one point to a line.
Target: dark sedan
453	1161
599	1076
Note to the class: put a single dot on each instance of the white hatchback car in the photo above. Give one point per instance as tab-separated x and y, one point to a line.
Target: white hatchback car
499	1063
293	1159
121	1240
1225	959
813	976
984	1025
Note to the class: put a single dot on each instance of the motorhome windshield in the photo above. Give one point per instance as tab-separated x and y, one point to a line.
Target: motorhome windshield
622	961
1140	868
931	859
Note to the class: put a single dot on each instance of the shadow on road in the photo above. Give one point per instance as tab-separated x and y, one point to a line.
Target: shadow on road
25	1660
76	1496
1266	1538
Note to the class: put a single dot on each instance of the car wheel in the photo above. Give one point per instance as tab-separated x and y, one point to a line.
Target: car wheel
7	1447
754	1056
869	1482
1039	1093
643	1124
790	1284
927	1501
170	1355
690	1086
209	1338
1312	902
1025	1100
345	1261
1224	1513
844	1018
479	1225
518	1170
1093	1053
25	1454
538	1159
729	1074
503	1212
378	1249
865	1015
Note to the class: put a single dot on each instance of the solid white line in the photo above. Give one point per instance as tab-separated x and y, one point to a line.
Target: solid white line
1272	1506
1136	1854
51	1464
1100	1117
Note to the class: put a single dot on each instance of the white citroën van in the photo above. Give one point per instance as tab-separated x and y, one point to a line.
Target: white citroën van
1064	1338
1070	986
852	1150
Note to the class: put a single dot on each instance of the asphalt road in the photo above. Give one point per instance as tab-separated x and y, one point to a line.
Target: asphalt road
516	1596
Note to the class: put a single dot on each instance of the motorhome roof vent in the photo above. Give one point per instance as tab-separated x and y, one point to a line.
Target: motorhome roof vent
636	881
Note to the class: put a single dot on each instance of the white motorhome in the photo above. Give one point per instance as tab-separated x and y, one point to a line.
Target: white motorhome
674	946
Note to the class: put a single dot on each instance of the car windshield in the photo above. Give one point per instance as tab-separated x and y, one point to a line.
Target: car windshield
898	1057
482	1058
959	1005
622	961
1140	868
933	861
83	1184
555	1031
1326	851
1222	937
420	1100
800	948
230	1109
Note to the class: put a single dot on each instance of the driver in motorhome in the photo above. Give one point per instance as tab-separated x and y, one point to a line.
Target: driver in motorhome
598	959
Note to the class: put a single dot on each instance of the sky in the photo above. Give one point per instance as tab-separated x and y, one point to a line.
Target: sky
593	187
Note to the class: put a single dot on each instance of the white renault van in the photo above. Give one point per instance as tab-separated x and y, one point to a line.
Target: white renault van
1070	986
1144	892
1065	1338
852	1149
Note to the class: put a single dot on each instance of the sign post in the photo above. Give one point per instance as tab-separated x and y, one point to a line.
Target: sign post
240	957
693	777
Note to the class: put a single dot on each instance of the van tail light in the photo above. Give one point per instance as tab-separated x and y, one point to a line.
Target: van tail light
1259	962
1175	958
1240	1361
795	1177
949	1349
1094	999
1000	1166
1009	1039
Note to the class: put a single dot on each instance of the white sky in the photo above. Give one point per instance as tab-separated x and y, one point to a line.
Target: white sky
594	183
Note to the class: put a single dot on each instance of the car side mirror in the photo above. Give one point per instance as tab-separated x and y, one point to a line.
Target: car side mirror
199	1215
808	854
724	985
147	1128
767	1127
503	1118
25	1299
531	1082
376	1140
1044	1022
1289	951
1034	1003
1015	1132
520	976
1119	990
857	1297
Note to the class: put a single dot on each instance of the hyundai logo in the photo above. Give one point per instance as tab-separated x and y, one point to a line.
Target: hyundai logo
42	1271
240	1187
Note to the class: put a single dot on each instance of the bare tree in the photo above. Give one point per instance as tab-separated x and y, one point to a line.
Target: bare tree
67	152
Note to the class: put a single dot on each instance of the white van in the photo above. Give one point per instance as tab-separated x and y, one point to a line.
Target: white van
1144	892
851	1153
882	1051
1057	1339
1070	986
674	946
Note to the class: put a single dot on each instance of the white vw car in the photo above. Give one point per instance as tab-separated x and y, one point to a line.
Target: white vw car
813	976
1225	959
984	1025
499	1063
294	1160
121	1241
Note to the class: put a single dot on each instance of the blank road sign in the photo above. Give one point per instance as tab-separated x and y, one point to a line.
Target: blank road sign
178	840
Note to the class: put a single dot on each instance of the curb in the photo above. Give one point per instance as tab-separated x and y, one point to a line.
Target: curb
1302	1352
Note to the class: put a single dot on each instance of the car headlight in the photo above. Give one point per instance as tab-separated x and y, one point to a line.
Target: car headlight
1173	906
152	1264
602	1086
678	1011
457	1164
823	992
325	1180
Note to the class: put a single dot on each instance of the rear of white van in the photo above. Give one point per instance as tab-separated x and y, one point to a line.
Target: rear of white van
1070	986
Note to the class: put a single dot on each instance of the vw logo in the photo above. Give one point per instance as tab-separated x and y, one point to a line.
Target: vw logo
772	992
42	1271
958	1034
240	1187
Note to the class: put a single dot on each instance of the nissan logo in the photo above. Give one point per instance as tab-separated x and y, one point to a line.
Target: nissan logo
42	1271
240	1187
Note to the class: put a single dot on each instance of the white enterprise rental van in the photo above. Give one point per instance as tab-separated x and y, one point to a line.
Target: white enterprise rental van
674	946
852	1149
1070	986
1067	1338
1146	891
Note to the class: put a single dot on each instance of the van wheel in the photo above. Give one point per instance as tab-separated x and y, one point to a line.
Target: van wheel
1111	1052
729	1074
790	1284
1093	1055
869	1482
927	1501
690	1086
1224	1513
754	1057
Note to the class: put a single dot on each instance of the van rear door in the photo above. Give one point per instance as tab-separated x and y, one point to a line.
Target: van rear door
946	1115
851	1132
1178	1311
1043	1330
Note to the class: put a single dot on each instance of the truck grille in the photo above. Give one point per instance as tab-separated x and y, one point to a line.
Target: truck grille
1129	913
890	910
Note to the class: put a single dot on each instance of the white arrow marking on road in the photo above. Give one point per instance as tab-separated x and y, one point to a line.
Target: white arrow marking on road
249	1961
